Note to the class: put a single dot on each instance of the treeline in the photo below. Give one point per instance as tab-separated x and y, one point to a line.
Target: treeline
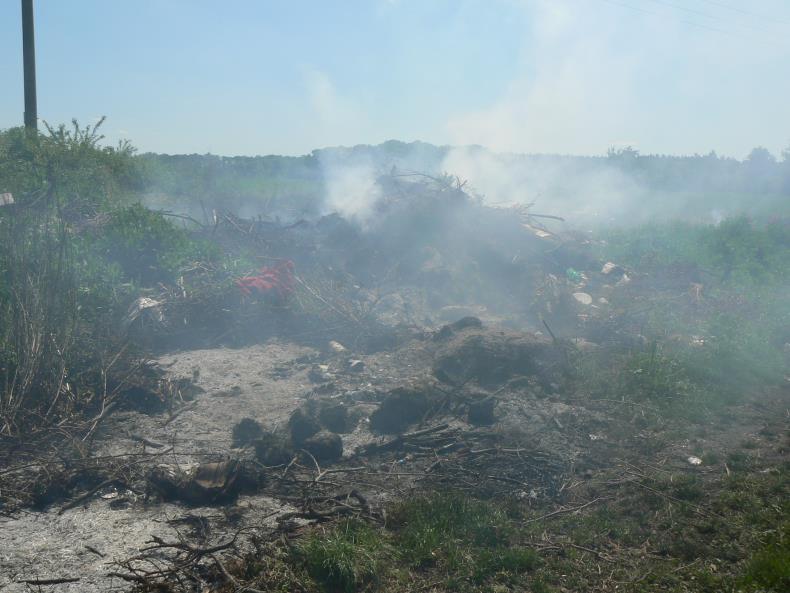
295	186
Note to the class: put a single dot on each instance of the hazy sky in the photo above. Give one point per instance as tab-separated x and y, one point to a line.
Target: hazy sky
288	76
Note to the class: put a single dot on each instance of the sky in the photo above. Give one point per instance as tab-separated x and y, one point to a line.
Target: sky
249	77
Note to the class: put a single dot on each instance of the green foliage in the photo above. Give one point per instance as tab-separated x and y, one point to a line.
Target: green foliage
426	525
251	186
769	568
736	253
717	349
651	375
69	166
147	246
58	301
468	540
343	558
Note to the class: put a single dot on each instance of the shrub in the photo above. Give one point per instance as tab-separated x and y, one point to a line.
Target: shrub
55	297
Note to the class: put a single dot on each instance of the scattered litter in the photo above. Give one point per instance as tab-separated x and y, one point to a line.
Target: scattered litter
583	298
539	233
609	267
145	304
275	281
573	275
694	460
356	366
6	199
337	346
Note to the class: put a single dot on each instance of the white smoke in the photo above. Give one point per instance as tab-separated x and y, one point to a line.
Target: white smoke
350	186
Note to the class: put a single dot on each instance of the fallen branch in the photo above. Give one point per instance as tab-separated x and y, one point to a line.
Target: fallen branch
563	511
54	581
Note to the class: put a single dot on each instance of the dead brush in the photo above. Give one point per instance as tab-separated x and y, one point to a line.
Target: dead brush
39	315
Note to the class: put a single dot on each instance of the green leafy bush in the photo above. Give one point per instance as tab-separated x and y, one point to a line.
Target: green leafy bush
58	298
147	246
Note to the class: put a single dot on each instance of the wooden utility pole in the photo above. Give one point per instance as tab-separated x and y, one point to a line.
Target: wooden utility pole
29	61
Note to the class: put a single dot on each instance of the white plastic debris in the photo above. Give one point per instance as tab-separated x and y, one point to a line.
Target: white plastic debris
694	460
608	267
6	199
603	301
583	298
336	346
142	304
624	280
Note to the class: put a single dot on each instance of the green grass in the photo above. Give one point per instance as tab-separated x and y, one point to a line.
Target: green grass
769	568
681	533
343	558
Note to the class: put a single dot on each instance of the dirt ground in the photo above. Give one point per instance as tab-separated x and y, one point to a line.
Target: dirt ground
565	440
266	382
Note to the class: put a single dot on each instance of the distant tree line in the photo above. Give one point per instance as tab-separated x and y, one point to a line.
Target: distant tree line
297	183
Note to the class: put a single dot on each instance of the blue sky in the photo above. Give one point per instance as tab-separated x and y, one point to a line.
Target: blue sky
285	77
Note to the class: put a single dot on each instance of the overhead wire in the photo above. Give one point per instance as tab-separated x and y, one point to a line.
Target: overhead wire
756	15
712	16
692	23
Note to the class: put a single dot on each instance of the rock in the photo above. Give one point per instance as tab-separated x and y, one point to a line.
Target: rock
246	431
302	427
399	409
325	446
583	298
271	450
481	412
335	418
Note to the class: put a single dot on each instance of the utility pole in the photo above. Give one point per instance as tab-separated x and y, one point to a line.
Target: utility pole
29	61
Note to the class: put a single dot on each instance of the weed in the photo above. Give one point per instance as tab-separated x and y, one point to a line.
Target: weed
344	558
508	560
769	568
688	488
434	526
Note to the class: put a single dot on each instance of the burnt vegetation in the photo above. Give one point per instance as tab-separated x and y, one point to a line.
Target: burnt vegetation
488	400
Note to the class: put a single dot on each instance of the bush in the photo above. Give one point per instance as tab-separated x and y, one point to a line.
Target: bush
56	296
147	246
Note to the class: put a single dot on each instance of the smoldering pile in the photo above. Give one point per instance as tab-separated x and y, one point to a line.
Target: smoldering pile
427	252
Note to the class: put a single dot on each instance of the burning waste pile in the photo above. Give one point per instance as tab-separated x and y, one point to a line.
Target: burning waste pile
346	366
426	253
